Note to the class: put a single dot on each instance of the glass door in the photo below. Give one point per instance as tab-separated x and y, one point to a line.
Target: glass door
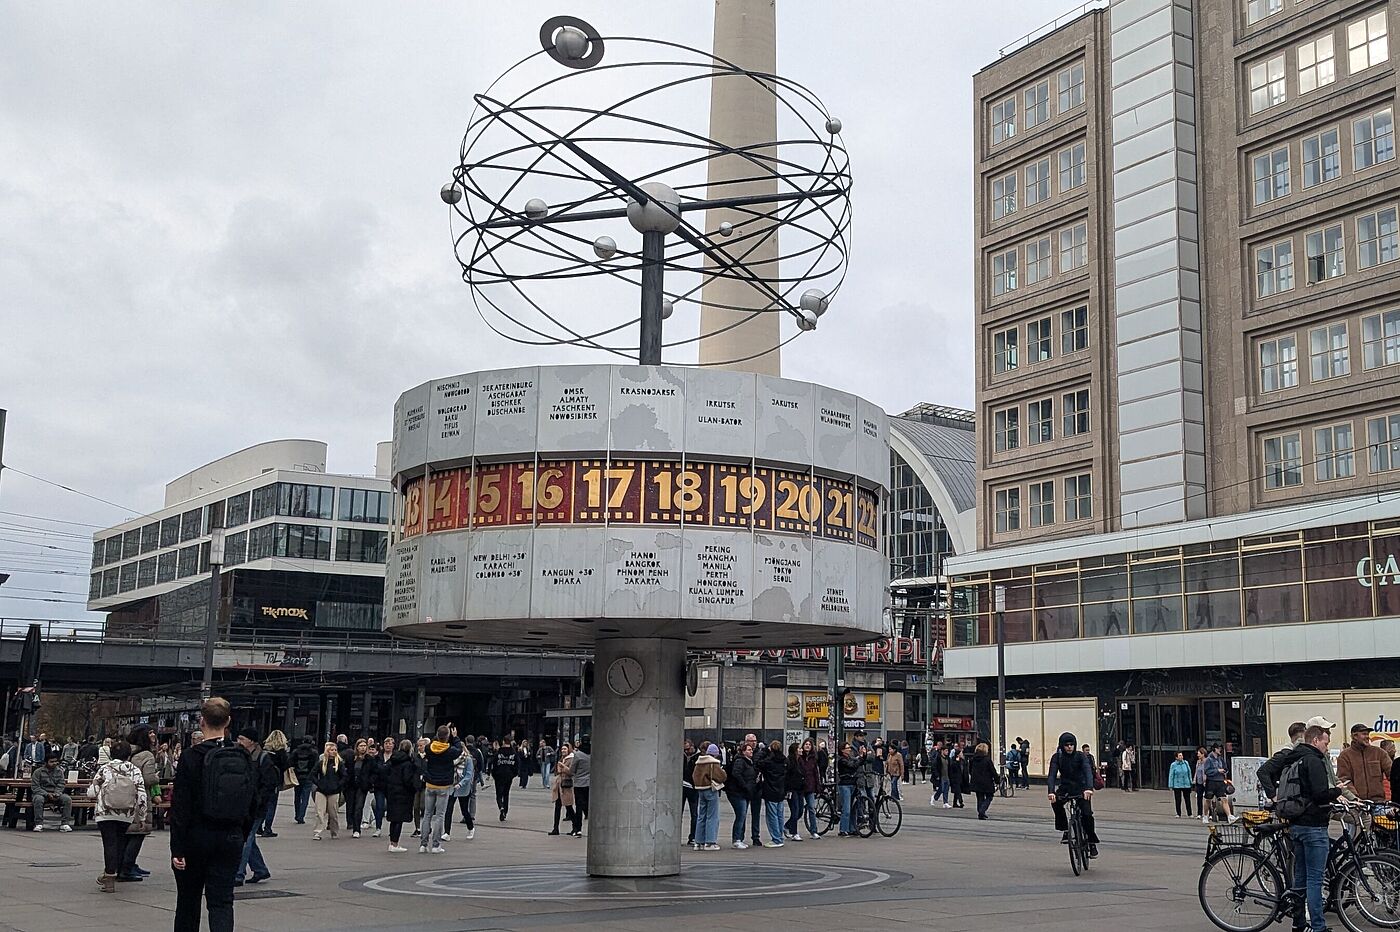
1176	727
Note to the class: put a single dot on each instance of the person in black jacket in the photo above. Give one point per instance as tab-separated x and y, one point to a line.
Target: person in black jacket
400	780
366	771
741	786
503	771
1309	828
794	783
269	784
304	759
983	775
204	851
1069	775
772	772
1272	769
689	796
847	771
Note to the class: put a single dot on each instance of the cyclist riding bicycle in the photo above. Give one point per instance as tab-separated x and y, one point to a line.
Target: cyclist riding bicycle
1070	775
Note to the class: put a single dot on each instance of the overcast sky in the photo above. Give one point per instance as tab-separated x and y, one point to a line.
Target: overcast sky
219	225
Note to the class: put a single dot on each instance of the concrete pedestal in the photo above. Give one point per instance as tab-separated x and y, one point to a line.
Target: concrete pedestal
634	818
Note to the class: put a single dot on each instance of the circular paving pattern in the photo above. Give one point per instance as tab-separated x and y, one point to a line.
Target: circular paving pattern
570	882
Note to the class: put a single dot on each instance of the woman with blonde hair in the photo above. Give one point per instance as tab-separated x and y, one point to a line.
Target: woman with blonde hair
329	779
982	774
276	745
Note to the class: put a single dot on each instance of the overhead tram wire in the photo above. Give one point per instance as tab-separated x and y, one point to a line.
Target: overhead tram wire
17	514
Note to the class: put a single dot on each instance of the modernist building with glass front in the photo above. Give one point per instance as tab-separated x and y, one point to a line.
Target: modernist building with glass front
1189	488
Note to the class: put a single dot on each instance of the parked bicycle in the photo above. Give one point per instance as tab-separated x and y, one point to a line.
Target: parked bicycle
1246	878
1006	785
885	815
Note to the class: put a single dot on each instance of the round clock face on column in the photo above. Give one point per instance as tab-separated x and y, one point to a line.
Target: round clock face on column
625	676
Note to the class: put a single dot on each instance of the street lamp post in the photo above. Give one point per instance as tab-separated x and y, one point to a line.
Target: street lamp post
211	627
1001	675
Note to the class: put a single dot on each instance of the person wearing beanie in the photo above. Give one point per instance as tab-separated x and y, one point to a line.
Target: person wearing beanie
269	783
708	778
1070	775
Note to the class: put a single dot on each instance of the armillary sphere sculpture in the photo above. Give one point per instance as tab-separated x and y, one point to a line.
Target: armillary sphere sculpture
544	175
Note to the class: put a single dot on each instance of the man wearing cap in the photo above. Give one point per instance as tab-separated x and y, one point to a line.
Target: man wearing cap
1309	828
269	785
1363	764
1272	769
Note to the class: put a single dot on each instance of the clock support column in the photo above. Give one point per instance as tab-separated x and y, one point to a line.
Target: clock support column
634	819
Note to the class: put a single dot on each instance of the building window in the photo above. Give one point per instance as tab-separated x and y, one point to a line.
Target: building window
1008	429
236	549
1079	503
1074	330
1038	260
1004	196
264	502
1071	86
1003	120
236	510
1076	412
1074	247
165	567
1071	167
1380	341
1267	84
356	546
114	548
94	586
364	505
1322	158
1255	10
1004	273
1037	104
302	541
188	564
99	553
1373	139
1274	268
260	542
191	523
1283	461
1333	454
1383	439
146	573
1330	351
1037	182
1008	510
109	582
169	531
1040	421
305	501
1005	353
1038	340
1316	67
1326	250
1366	42
1271	176
131	544
128	576
1375	238
1042	503
1278	364
150	537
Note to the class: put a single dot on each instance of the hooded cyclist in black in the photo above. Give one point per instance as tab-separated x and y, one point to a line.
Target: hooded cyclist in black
1070	774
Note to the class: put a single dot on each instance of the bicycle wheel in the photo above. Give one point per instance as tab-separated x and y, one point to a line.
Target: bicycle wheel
889	816
1368	895
862	817
1005	787
1076	833
1239	890
828	814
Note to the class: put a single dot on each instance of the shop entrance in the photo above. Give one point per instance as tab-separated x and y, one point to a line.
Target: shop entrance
1161	726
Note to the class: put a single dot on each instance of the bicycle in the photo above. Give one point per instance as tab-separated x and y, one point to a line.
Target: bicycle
1244	883
1006	786
1078	842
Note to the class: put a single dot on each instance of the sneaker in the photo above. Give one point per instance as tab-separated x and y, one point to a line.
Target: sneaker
446	837
422	849
711	848
739	845
503	815
39	827
1232	820
947	805
376	832
772	844
439	850
795	837
1064	838
316	836
843	834
259	878
415	833
1093	851
471	833
355	834
816	836
555	831
397	849
65	828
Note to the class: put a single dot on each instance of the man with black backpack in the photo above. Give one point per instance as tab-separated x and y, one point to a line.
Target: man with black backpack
211	813
269	784
1304	800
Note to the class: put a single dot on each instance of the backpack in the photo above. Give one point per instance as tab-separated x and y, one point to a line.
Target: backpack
230	785
119	792
1292	803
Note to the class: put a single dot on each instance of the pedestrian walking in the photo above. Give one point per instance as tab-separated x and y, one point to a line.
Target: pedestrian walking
847	769
211	812
122	804
582	783
503	771
982	773
689	797
772	773
399	779
356	785
329	778
544	759
709	780
894	769
269	782
275	744
439	771
1198	782
304	762
463	794
811	785
740	787
561	786
796	797
524	763
1127	769
956	776
1179	781
420	762
941	773
141	740
384	752
1025	764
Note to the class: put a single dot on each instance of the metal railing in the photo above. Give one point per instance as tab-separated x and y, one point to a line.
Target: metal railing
1051	26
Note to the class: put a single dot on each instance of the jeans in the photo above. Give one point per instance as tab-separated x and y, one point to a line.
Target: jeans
131	850
252	857
690	797
354	808
303	799
740	804
210	859
1310	844
943	787
894	787
265	824
984	802
755	818
707	823
846	793
809	809
434	814
796	799
65	806
773	813
545	772
380	804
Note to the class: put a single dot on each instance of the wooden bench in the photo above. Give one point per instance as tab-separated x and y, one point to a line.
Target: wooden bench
82	807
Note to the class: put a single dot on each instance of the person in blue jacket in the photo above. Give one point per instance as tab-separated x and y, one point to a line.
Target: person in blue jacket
1179	779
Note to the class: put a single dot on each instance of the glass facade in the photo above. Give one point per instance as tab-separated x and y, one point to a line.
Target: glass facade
364	505
356	546
914	531
1334	573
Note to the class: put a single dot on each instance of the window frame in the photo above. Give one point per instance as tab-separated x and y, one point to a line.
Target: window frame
1042	508
1389	343
1270	83
1040	346
1041	265
1378	241
1040	421
1007	509
1041	185
1374	158
1276	271
1322	158
1079	497
1074	338
1004	282
1006	429
1078	251
1074	415
1327	360
1069	88
1323	234
1250	19
1006	356
1003	122
1005	204
1383	448
1269	185
1368	41
1277	473
1333	455
1280	366
1073	160
1040	107
1318	65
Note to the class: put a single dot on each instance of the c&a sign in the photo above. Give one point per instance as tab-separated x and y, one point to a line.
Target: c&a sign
1384	574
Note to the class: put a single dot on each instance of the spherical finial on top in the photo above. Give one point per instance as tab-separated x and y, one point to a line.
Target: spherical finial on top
450	193
726	229
667	309
833	125
605	247
807	320
571	43
816	301
661	212
535	208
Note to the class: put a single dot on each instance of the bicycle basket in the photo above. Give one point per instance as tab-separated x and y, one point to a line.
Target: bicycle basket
1231	836
1256	816
1384	822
